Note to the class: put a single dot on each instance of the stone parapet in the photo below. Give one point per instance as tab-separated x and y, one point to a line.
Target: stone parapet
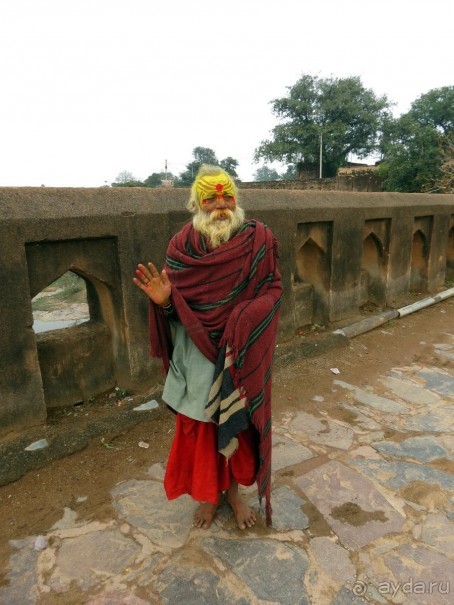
338	251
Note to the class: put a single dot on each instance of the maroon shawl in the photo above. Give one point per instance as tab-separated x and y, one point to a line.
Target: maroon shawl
228	300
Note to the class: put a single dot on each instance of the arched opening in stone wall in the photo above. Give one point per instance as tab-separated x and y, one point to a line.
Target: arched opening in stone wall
419	262
450	256
75	348
373	277
312	268
62	304
81	359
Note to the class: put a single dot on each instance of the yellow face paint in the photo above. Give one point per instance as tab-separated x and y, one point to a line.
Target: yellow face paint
209	187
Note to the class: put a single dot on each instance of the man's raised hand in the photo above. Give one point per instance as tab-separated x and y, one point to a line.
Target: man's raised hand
155	285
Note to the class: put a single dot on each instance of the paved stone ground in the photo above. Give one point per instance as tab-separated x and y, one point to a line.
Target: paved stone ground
363	513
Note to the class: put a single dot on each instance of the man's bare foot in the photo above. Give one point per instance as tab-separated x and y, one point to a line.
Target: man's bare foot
204	515
244	514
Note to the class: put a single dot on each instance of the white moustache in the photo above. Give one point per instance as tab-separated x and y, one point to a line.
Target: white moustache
219	225
217	215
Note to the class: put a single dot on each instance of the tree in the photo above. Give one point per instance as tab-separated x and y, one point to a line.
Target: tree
155	179
340	112
446	182
265	173
436	109
290	174
229	165
205	155
126	179
416	145
201	155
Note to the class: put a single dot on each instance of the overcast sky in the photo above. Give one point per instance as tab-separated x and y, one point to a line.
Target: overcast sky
90	88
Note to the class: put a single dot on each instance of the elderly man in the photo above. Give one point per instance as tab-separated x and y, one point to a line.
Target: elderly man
213	320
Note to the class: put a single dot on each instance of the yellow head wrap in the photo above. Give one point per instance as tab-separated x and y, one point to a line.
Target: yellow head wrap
206	184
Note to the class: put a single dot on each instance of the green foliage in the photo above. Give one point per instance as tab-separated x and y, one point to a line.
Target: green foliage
130	184
290	174
445	184
155	179
127	179
265	173
185	178
201	155
205	155
415	146
229	165
435	109
68	286
340	110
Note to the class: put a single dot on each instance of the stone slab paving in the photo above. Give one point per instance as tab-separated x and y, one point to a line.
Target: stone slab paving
438	420
144	505
273	571
449	355
333	559
82	560
323	431
117	598
400	474
424	448
352	506
194	585
438	381
372	399
438	532
409	391
435	380
287	512
347	597
362	420
359	517
287	452
448	443
22	575
410	574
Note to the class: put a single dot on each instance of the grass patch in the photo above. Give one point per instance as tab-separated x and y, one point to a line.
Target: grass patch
69	288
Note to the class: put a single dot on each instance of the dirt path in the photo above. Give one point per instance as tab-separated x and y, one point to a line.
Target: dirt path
83	481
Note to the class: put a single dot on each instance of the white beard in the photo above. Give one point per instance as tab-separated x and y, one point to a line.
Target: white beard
218	231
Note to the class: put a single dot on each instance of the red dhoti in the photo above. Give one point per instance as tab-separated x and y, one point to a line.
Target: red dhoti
196	467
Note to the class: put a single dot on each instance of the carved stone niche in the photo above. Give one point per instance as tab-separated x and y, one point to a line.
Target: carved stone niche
312	276
422	236
79	362
374	261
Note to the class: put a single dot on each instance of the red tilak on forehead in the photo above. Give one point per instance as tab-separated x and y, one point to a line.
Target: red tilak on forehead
219	195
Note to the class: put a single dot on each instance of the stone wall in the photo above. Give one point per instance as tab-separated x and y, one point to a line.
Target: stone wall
357	178
303	184
338	251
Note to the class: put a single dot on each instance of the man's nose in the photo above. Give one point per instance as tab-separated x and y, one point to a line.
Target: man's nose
220	202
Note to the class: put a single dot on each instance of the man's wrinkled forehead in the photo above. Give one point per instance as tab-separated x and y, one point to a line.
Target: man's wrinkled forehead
209	185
